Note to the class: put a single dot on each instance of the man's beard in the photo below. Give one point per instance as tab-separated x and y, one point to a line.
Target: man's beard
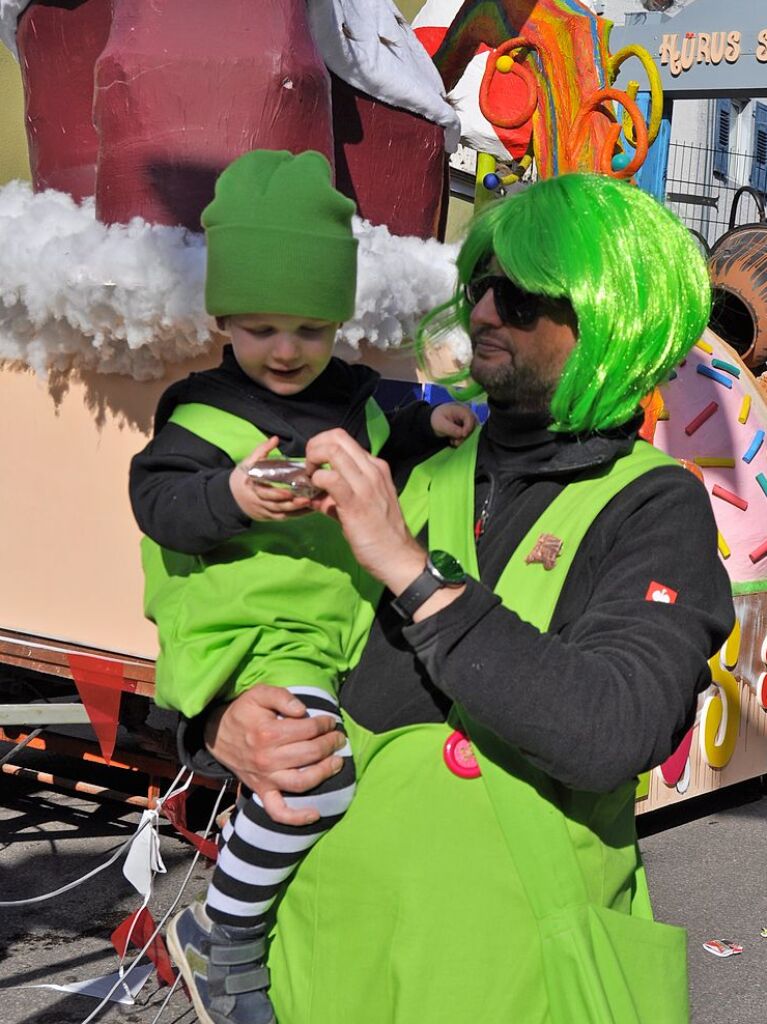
519	387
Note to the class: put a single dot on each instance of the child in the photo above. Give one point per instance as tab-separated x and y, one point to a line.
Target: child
244	586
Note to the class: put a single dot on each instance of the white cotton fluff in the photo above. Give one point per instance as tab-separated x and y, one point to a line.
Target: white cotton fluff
128	299
73	292
399	280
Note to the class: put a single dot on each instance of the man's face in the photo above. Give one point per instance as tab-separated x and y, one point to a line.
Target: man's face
520	366
282	353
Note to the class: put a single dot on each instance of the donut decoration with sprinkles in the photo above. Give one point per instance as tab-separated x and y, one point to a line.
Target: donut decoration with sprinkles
713	420
714	417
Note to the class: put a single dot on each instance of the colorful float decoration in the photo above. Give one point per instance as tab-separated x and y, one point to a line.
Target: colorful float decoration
713	418
546	89
132	110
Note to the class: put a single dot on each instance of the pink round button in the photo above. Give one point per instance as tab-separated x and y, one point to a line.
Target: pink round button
459	757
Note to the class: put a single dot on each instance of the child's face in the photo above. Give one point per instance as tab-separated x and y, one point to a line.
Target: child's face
279	352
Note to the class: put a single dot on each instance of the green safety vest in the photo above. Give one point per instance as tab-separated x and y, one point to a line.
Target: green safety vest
283	603
505	899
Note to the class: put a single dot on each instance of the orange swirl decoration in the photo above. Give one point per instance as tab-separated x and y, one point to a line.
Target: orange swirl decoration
515	120
580	127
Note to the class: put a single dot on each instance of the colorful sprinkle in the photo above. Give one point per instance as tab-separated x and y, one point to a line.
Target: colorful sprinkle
745	409
704	347
720	364
700	419
758	553
724	547
754	447
714	462
706	371
733	499
761	479
664	415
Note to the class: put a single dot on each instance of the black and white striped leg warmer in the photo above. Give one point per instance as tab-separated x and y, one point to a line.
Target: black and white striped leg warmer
261	854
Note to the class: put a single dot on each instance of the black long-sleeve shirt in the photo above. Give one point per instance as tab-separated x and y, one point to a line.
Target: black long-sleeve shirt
179	483
611	687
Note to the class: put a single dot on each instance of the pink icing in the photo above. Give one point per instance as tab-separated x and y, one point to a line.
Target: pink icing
722	435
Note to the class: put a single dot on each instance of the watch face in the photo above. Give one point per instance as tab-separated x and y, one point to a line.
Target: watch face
447	567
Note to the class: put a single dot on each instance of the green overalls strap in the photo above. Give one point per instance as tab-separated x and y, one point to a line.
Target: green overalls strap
600	964
283	603
238	437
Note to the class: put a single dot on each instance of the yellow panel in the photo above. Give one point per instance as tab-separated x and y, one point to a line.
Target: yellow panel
14	161
459	213
410	7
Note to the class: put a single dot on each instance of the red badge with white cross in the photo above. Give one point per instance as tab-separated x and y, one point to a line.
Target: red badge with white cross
660	593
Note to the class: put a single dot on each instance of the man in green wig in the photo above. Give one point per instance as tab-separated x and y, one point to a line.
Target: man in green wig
553	595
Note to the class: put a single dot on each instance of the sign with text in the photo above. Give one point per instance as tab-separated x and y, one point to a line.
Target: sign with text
709	49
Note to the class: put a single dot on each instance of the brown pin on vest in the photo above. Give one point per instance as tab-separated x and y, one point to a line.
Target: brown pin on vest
546	551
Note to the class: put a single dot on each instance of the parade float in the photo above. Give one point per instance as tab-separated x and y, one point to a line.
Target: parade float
131	112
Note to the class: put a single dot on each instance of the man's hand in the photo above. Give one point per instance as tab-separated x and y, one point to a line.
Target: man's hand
263	501
361	495
265	737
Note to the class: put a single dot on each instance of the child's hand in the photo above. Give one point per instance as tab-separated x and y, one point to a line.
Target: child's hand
259	500
454	421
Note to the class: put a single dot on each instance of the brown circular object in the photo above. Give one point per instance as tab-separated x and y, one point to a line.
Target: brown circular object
738	266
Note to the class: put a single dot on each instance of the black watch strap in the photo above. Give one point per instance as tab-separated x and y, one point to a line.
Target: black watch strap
441	570
412	597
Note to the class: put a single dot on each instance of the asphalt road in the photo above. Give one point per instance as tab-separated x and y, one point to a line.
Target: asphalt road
47	838
706	874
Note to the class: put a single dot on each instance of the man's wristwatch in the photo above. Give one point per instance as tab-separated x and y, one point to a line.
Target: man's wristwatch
442	570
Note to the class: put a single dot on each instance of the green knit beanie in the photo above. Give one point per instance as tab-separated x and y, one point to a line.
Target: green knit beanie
280	239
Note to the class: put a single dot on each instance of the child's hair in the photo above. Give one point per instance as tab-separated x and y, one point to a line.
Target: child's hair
633	274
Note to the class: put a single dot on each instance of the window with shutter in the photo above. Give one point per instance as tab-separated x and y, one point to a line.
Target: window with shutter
758	177
722	126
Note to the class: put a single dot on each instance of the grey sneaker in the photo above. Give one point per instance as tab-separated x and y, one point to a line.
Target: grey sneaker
223	968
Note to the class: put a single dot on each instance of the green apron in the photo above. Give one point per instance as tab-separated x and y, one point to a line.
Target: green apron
503	899
283	603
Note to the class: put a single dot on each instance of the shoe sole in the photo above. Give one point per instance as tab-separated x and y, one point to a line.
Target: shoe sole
174	945
187	974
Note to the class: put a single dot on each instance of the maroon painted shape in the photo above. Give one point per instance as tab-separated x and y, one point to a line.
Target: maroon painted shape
391	162
183	87
144	104
58	45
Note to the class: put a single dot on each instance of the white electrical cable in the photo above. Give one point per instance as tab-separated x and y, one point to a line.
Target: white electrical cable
167	999
153	821
108	863
92	1016
78	881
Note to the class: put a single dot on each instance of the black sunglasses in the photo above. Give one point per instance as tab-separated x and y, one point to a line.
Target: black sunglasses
515	307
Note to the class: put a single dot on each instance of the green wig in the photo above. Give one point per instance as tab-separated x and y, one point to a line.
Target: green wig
630	269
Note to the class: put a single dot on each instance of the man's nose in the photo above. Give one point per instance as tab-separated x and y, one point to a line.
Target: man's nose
485	313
